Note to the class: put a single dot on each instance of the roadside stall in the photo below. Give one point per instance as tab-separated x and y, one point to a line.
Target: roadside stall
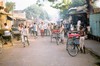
5	34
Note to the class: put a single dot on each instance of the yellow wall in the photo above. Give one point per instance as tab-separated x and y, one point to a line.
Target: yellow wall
3	19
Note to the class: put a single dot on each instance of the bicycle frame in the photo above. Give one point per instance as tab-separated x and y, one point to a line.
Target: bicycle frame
72	45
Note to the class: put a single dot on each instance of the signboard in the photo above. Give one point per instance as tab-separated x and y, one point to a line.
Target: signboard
94	6
96	10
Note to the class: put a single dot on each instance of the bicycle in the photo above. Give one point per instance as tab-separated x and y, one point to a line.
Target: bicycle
72	45
56	34
57	38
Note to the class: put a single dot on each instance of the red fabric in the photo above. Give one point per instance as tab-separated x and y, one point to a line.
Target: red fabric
42	31
72	35
56	31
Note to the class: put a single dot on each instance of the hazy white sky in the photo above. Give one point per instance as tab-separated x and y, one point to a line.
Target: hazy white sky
22	4
98	3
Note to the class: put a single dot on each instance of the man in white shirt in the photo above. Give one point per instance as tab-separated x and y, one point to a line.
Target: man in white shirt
24	35
78	25
35	29
45	29
41	27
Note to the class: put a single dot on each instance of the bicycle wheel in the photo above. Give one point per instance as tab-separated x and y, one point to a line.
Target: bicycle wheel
71	48
57	39
51	37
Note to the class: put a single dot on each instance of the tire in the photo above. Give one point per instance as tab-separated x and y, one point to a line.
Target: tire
51	37
67	44
71	48
57	40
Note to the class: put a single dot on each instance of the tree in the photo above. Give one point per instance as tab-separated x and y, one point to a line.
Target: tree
52	0
76	3
35	11
9	6
32	11
62	5
66	4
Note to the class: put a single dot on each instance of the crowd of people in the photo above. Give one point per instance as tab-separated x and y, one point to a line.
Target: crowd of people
42	29
45	29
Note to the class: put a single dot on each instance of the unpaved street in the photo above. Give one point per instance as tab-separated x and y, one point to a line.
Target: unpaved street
42	52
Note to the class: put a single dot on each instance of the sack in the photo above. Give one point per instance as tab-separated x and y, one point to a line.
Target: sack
7	33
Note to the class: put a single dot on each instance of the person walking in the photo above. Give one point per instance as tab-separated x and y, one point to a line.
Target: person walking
48	30
35	29
62	33
51	28
45	29
20	26
41	27
81	40
24	35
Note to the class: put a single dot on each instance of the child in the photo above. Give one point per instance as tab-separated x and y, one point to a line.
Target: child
24	35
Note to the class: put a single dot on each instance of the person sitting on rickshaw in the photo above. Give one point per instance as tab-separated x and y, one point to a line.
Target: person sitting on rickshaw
7	33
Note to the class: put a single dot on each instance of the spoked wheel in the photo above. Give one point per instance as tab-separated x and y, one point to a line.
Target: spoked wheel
57	40
51	37
71	48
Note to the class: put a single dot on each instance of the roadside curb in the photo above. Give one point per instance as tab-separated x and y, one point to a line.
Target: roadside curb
93	52
95	55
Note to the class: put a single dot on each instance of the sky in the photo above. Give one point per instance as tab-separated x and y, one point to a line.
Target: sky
98	3
22	4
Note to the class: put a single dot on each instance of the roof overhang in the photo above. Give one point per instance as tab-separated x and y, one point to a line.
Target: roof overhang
4	13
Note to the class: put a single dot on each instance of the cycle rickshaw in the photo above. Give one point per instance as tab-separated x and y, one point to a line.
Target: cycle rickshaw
72	45
56	35
5	36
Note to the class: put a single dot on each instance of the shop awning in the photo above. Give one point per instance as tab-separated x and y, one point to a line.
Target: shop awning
78	10
4	13
9	18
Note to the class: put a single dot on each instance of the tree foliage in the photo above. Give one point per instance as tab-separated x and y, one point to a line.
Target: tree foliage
76	3
62	5
9	6
66	4
52	0
36	12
